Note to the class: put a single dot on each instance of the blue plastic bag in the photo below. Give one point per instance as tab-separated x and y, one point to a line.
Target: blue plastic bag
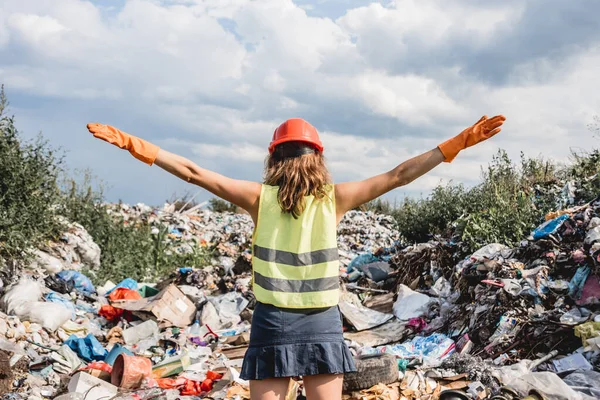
127	283
578	281
88	348
80	282
366	258
549	227
54	297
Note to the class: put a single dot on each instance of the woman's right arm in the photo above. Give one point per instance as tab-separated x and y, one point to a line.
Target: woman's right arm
243	194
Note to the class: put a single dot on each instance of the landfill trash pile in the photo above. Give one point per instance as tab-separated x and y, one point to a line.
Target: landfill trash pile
185	337
500	322
423	321
75	250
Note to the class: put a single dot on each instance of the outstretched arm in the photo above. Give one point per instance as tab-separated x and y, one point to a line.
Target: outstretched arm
243	194
353	194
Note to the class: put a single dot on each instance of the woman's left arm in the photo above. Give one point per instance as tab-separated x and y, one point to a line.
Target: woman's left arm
353	194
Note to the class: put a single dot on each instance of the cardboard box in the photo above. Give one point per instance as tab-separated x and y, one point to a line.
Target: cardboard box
170	307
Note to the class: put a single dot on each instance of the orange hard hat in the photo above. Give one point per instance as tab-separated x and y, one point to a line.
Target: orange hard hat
296	130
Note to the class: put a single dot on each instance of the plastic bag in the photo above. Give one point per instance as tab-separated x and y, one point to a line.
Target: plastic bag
112	313
432	349
48	262
145	330
56	298
80	282
578	281
489	251
17	299
573	317
210	316
548	384
360	260
410	304
592	236
549	227
11	347
377	271
88	348
50	315
228	308
586	382
127	283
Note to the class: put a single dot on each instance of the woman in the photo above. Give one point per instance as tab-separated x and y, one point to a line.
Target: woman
296	325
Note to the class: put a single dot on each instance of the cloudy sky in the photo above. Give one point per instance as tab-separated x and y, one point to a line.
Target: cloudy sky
382	81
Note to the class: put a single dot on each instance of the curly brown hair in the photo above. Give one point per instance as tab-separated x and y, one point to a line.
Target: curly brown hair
299	170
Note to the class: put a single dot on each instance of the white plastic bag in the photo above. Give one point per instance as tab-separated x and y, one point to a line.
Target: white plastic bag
47	262
548	384
50	315
410	304
210	316
145	330
16	300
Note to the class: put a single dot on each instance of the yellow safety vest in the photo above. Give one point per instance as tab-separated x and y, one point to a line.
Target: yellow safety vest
295	261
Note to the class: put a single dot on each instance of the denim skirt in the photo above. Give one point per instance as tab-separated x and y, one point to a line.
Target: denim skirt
295	342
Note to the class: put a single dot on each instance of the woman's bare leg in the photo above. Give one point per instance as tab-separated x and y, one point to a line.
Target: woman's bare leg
269	389
323	387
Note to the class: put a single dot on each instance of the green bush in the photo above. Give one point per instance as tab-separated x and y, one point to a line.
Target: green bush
28	190
35	190
585	169
503	208
128	251
418	219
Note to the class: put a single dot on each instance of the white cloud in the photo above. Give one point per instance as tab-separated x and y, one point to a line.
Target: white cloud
383	83
413	99
39	31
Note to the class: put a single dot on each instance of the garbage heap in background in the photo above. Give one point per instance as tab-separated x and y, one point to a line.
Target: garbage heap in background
423	321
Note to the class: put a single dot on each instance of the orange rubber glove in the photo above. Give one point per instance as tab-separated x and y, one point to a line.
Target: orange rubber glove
139	148
483	129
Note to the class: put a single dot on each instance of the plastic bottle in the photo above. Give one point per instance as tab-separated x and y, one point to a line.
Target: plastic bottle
194	330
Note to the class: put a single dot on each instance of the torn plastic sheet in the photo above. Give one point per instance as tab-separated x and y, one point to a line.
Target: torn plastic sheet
362	317
410	304
546	383
489	251
578	281
377	271
586	382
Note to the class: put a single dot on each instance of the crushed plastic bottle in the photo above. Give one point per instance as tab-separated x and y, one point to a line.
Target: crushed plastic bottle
195	330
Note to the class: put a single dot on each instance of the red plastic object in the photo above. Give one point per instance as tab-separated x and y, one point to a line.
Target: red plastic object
129	372
111	313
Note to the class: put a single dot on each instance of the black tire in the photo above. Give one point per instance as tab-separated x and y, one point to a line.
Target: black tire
370	371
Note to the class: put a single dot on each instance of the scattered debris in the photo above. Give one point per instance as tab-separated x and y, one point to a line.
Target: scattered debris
423	321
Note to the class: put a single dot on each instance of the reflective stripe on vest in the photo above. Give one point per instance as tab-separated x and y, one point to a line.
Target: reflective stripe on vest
295	261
